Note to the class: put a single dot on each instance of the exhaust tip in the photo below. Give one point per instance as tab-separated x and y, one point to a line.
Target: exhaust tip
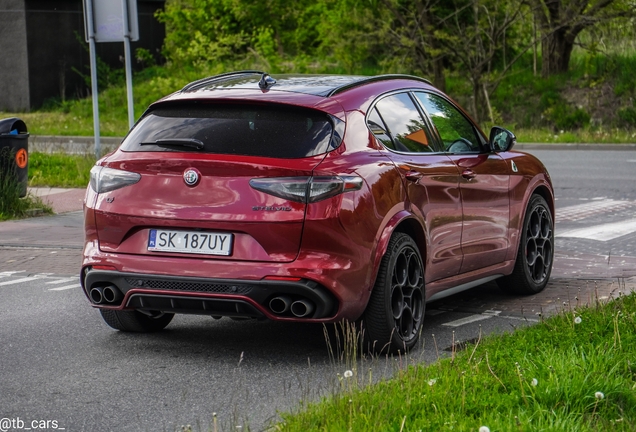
97	295
111	294
302	308
280	305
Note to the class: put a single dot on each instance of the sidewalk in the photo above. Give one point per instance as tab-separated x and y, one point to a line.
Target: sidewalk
60	200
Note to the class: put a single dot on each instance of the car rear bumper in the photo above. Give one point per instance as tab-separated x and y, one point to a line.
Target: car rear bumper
303	299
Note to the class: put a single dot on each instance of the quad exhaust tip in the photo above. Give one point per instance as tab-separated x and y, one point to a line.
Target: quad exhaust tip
299	308
108	294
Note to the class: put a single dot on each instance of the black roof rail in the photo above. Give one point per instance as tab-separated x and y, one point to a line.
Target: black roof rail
204	81
374	79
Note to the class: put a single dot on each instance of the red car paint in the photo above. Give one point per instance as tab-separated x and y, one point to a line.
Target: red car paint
465	211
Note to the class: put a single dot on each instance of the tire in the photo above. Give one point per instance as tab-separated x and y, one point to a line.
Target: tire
135	321
393	319
536	251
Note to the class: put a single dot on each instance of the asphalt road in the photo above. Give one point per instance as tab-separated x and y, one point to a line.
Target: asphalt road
60	362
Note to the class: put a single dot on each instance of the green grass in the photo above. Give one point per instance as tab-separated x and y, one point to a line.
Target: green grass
59	170
585	136
542	378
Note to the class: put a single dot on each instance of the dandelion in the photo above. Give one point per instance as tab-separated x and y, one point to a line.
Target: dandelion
599	395
577	320
484	429
348	374
431	382
534	382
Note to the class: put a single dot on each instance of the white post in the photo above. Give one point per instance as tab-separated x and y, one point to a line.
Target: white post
129	84
93	61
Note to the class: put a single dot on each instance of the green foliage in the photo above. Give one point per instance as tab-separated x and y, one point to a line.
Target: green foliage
571	372
565	117
628	116
206	32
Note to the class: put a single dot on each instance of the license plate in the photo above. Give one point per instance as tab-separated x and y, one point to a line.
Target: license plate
192	242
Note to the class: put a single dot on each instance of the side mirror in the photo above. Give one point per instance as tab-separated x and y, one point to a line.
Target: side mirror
501	140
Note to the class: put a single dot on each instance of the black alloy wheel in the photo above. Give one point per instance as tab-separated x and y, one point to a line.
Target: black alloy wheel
536	251
393	319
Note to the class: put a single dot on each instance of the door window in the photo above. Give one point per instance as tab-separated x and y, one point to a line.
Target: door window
456	131
405	125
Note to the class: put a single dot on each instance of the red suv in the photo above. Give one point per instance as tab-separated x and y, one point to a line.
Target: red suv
311	198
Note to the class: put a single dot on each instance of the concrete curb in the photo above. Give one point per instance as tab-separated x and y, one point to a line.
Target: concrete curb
574	146
85	145
71	144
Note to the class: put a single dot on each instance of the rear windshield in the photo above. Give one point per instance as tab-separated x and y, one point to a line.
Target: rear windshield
268	131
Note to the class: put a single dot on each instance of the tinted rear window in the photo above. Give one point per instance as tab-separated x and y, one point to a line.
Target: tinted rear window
268	131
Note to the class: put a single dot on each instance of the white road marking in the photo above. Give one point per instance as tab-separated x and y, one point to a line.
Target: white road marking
467	320
62	288
15	281
582	211
59	281
603	232
10	273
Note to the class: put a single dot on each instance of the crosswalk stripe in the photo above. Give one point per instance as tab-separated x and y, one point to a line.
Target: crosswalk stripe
66	287
15	281
581	211
603	232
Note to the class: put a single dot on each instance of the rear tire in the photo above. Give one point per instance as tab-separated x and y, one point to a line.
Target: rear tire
135	321
536	251
393	319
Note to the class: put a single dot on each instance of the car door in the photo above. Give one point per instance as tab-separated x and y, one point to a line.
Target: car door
484	184
430	177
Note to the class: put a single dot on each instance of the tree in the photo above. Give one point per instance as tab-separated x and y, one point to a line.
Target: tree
475	35
414	32
561	21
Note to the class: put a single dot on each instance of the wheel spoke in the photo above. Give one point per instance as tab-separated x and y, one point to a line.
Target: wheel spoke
397	302
407	301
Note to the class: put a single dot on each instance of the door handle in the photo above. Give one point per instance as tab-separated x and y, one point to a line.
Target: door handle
468	174
413	176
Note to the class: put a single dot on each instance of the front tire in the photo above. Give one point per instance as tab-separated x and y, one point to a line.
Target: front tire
536	251
393	319
135	321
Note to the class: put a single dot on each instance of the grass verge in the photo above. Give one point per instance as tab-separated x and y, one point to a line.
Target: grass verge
575	371
11	205
60	170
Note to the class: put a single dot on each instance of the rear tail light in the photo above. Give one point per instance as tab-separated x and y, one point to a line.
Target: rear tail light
108	179
307	189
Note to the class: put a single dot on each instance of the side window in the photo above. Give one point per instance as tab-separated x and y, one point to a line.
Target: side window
378	128
456	131
406	126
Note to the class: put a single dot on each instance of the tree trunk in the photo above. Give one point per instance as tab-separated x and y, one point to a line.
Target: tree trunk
439	78
556	50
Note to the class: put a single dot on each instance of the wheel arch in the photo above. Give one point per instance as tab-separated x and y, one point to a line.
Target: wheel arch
406	223
545	193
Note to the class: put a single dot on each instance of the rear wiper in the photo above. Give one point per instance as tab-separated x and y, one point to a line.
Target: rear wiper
176	142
